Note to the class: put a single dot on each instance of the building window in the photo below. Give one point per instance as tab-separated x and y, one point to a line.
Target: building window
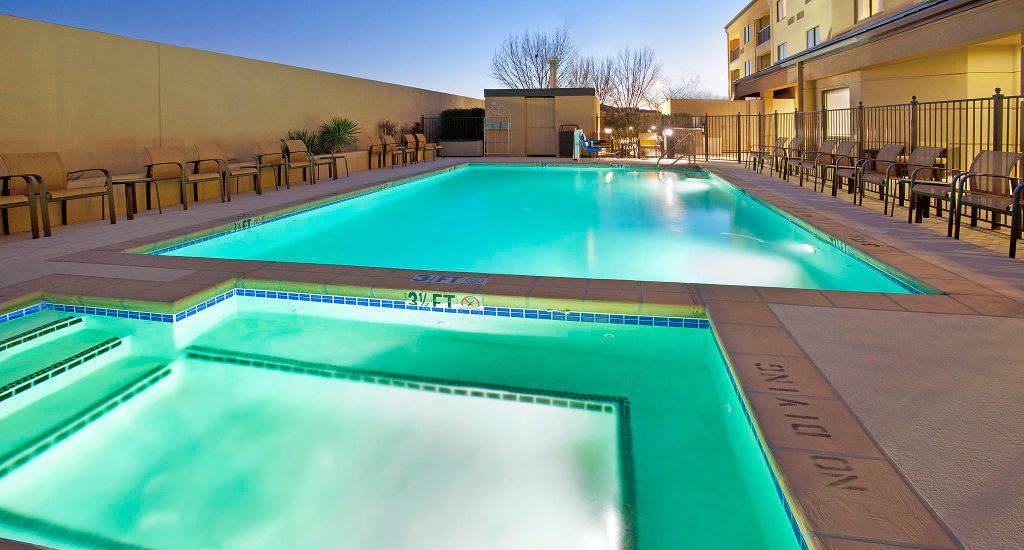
783	50
867	8
746	34
780	9
813	37
734	74
748	68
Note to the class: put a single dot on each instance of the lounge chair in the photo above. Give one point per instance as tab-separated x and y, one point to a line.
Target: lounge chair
53	184
782	157
427	146
375	148
845	159
880	171
758	154
988	186
216	160
16	191
269	155
296	155
396	150
169	164
927	181
811	162
412	147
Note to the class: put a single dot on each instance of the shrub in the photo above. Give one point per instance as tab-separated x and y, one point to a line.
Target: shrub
337	133
388	128
462	124
311	139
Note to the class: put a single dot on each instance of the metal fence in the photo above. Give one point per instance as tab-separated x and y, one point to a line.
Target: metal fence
452	128
962	127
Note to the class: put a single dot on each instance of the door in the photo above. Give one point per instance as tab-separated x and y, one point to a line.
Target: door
540	127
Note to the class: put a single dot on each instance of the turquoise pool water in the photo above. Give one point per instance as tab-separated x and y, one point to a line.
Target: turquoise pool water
271	423
570	221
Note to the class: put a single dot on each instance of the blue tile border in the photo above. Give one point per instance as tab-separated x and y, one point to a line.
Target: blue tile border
486	311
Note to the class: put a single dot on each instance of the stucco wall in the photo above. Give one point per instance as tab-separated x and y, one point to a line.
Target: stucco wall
99	99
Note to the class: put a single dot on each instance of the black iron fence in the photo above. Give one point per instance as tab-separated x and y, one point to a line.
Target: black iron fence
453	128
962	127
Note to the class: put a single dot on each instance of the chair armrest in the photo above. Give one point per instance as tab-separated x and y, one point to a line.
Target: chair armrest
149	168
921	167
967	176
222	165
29	178
106	174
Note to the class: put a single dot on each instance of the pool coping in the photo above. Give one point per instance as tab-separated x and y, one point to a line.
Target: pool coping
767	363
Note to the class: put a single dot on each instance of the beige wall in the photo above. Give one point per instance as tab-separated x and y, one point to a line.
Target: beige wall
715	106
100	99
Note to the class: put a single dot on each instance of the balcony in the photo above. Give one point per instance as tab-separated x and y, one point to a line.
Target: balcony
764	35
734	54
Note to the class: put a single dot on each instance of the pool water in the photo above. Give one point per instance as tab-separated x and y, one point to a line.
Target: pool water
568	221
268	423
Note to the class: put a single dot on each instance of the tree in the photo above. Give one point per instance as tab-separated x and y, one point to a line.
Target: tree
522	59
636	74
692	87
599	74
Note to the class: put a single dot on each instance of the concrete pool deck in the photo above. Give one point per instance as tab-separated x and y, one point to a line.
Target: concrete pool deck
895	420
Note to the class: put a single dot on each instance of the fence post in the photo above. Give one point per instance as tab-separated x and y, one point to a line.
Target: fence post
860	125
739	138
706	142
775	128
913	123
997	120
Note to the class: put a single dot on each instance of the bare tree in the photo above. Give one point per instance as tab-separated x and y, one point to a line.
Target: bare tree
636	75
590	72
522	59
692	87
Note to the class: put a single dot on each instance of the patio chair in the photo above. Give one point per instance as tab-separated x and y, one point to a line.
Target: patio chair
989	186
396	150
269	155
53	183
375	148
16	191
845	159
758	154
781	157
812	161
879	171
296	155
217	161
169	164
927	182
427	146
412	147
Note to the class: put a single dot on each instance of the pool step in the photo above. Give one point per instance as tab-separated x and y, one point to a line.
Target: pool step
22	371
32	429
16	341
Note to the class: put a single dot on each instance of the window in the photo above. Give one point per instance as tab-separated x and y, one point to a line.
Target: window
866	8
780	9
783	50
746	34
748	68
734	74
813	37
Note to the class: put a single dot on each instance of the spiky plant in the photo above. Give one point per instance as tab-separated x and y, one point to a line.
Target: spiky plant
311	139
338	133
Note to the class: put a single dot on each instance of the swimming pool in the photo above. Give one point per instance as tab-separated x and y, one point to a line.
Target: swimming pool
263	423
572	221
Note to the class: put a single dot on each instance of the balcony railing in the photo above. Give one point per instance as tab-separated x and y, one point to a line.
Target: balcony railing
764	35
734	54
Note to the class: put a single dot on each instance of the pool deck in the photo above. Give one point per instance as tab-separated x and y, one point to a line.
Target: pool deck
895	420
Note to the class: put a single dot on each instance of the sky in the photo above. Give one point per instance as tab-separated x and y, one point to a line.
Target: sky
444	46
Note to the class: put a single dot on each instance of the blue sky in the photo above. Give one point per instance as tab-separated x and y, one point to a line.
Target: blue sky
443	46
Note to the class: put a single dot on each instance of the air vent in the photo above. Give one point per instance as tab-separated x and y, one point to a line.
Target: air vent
791	20
799	15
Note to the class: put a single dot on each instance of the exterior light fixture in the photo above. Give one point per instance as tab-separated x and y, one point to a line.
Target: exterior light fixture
607	130
668	131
